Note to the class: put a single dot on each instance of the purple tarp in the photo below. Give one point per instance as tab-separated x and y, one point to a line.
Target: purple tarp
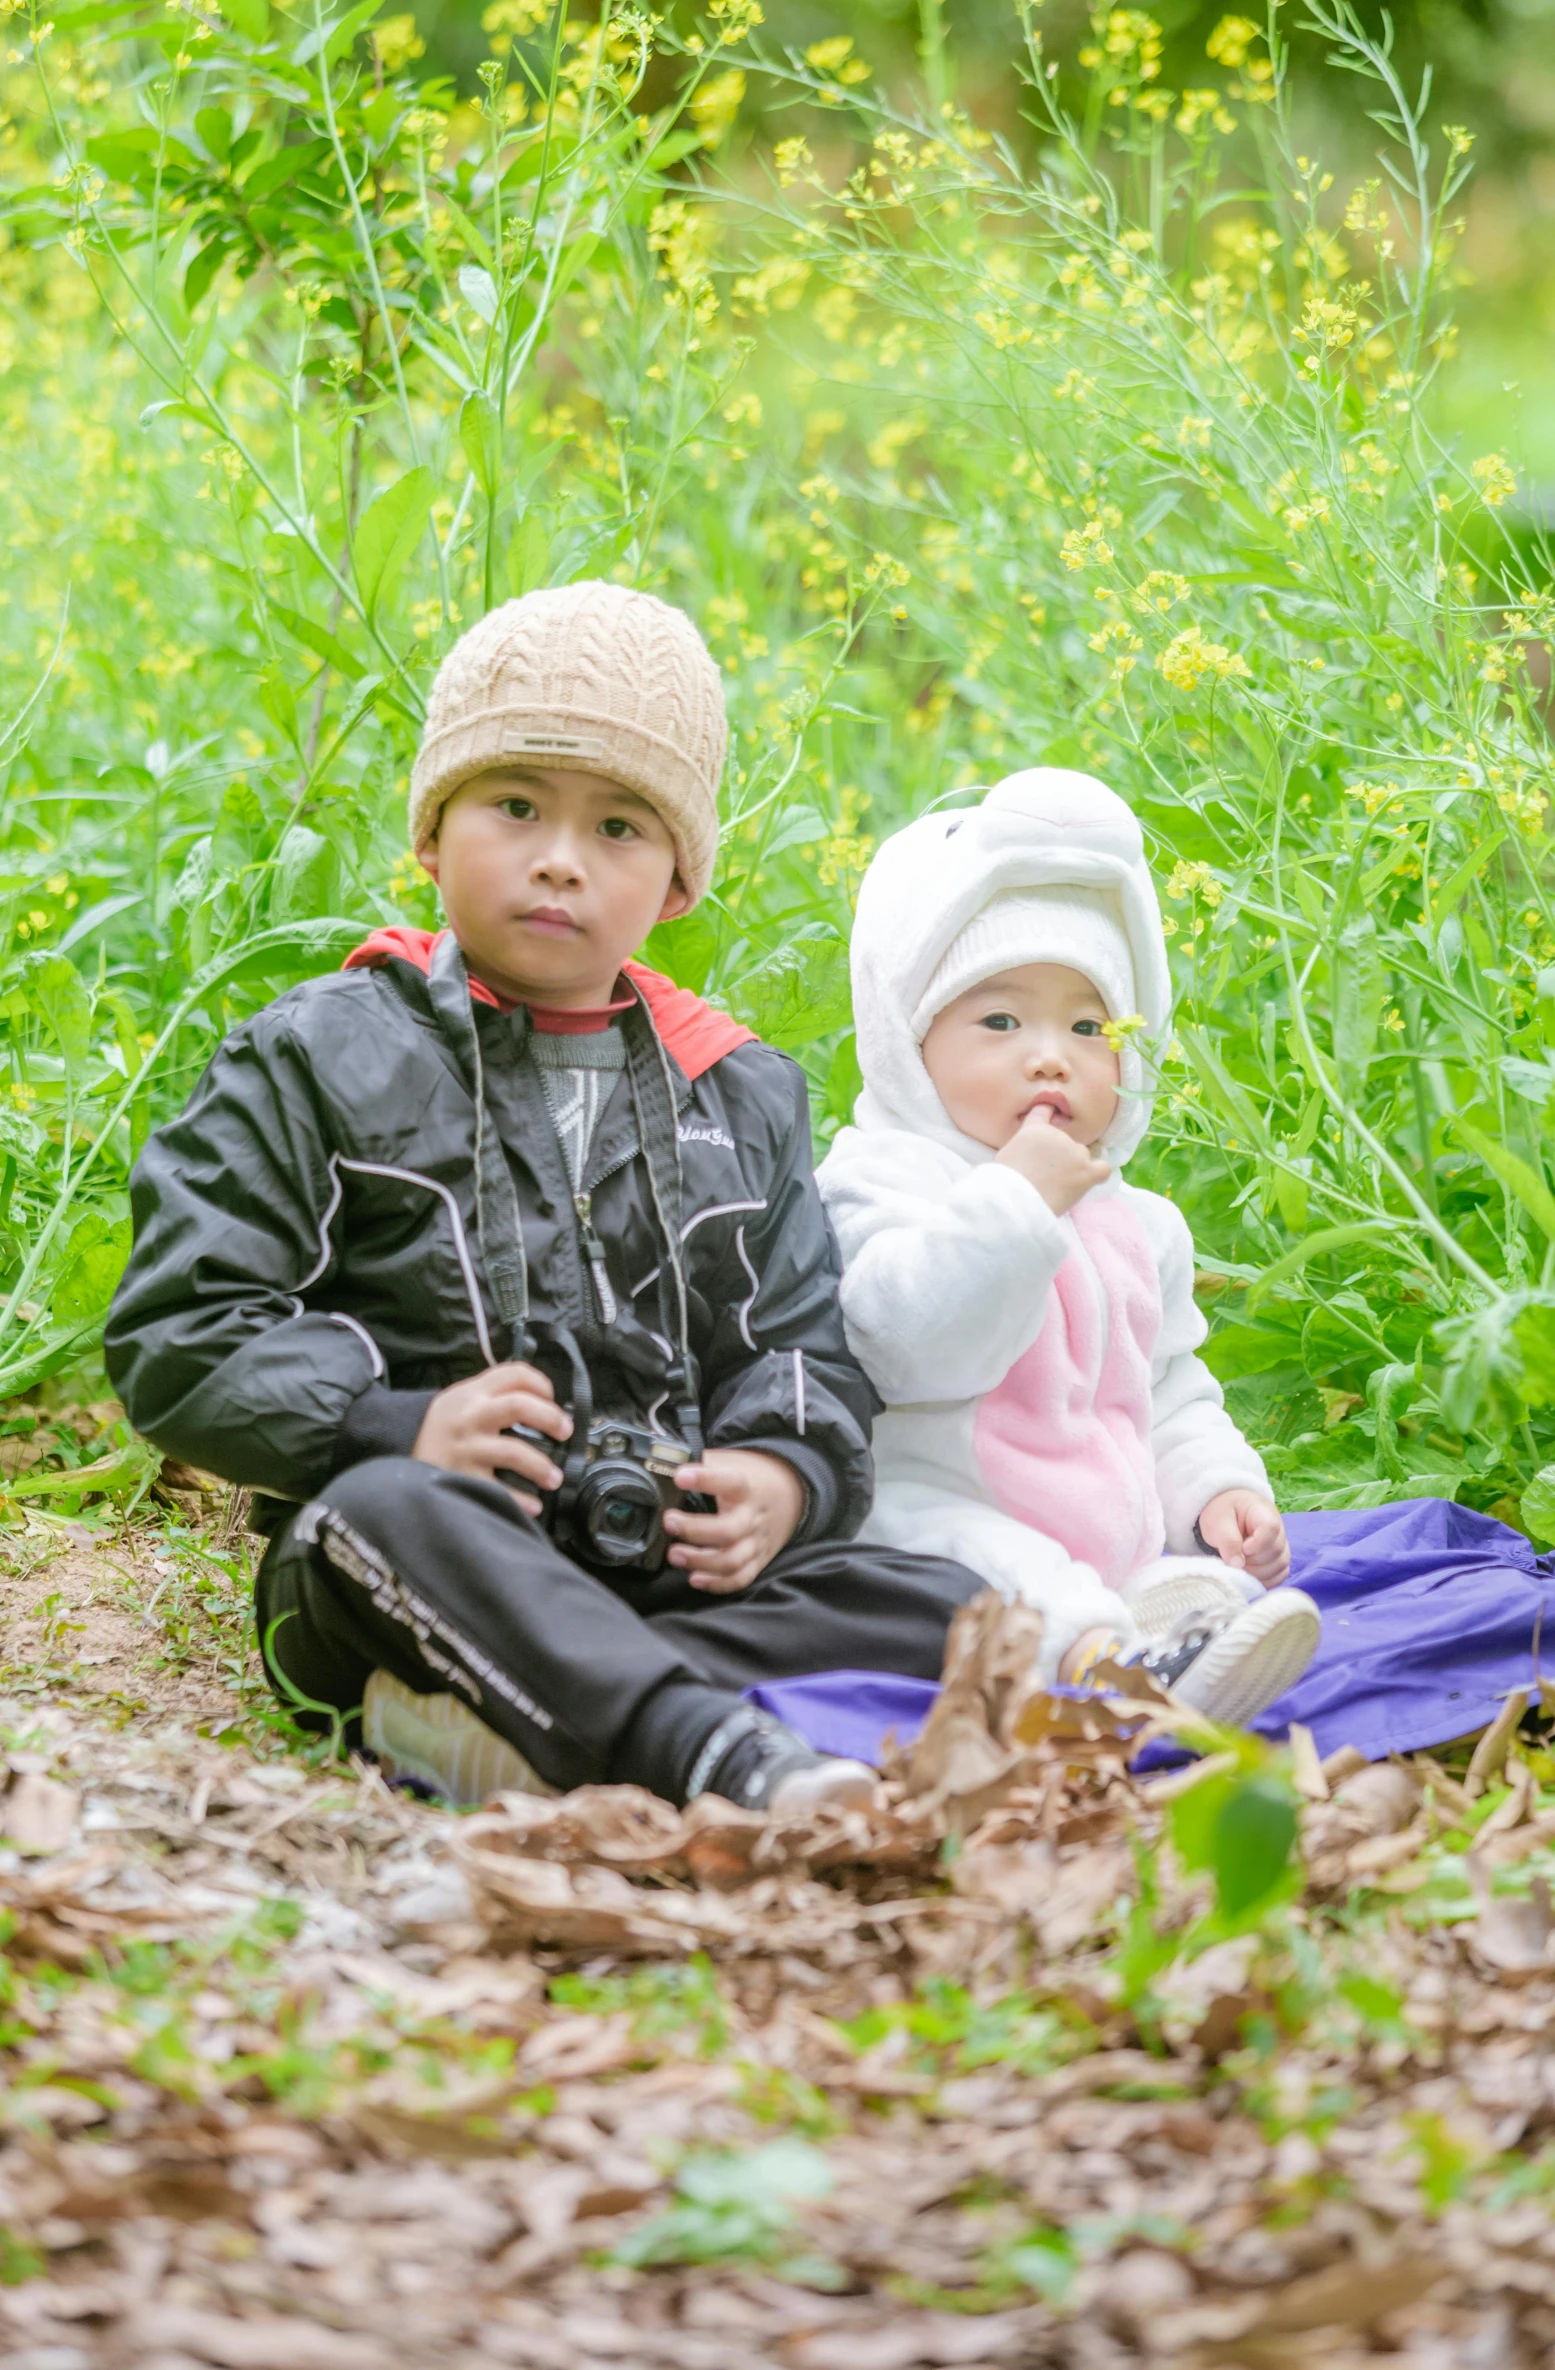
1430	1614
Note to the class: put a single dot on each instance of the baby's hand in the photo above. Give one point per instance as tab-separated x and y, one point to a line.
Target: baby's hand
1246	1532
1062	1171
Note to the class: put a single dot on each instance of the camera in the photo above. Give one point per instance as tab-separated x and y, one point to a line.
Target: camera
618	1477
614	1513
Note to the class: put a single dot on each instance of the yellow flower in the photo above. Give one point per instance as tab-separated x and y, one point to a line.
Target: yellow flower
716	104
736	18
1495	477
1118	1032
792	157
396	42
1188	658
1194	880
1086	547
1231	40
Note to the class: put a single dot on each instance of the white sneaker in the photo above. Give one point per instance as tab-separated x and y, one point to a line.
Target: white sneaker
440	1741
1232	1665
1175	1585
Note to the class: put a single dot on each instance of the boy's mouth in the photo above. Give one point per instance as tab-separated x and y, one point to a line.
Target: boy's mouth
1049	1099
552	920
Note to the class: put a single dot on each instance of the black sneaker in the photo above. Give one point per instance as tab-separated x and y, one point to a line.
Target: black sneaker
756	1761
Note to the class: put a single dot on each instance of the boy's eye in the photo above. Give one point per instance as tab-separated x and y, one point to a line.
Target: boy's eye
617	827
522	810
999	1020
1087	1028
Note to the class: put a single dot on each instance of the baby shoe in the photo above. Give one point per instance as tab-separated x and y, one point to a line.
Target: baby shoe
439	1742
1164	1591
1232	1663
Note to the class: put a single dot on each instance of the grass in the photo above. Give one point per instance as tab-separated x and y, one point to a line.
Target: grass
1107	445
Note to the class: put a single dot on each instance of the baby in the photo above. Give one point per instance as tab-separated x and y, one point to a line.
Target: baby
1028	1317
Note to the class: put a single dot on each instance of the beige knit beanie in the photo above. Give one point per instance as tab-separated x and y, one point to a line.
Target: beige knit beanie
593	678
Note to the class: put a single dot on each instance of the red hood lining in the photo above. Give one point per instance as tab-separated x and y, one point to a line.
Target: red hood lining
692	1030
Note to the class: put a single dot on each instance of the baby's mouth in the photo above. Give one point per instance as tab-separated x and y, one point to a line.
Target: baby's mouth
1050	1100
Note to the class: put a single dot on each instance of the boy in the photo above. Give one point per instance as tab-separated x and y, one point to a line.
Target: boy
422	1221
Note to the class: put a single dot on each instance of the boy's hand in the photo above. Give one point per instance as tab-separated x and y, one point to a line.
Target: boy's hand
1062	1171
760	1499
1246	1532
465	1428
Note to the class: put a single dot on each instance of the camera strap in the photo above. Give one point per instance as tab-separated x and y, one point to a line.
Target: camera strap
499	1224
652	1090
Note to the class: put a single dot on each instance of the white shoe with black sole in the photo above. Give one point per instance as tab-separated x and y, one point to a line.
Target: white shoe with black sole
1233	1664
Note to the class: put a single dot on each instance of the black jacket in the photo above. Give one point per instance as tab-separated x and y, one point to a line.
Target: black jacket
307	1270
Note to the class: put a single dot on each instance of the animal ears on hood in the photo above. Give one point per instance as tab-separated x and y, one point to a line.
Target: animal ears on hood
1072	807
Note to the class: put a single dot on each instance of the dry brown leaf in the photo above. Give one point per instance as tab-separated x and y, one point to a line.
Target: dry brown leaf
1510	1934
1489	1758
1306	1768
37	1814
908	2339
271	2343
1346	2295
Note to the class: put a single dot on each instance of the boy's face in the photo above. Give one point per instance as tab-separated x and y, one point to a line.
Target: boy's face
1019	1039
550	879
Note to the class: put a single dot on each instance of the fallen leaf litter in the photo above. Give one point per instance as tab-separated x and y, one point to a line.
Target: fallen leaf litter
303	2072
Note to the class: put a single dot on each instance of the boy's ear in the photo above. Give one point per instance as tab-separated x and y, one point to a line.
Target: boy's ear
678	900
426	857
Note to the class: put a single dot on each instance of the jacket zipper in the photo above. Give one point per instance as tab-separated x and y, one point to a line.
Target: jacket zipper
594	1252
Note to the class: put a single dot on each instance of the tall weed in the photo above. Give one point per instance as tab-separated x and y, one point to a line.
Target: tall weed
1109	445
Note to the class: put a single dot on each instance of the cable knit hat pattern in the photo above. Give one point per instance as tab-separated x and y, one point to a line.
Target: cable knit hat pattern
591	678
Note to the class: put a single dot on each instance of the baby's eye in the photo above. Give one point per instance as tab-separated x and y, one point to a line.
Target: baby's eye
1087	1028
522	810
617	827
999	1020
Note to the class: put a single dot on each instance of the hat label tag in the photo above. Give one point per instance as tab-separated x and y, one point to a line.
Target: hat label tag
556	744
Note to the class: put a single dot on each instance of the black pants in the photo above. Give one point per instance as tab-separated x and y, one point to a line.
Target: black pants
441	1580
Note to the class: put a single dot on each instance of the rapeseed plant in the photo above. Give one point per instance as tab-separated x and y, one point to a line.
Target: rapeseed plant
969	452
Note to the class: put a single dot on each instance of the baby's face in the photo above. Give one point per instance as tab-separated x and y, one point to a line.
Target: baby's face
1019	1039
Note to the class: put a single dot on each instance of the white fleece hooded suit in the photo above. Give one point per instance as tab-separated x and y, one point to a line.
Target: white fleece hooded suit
1047	1422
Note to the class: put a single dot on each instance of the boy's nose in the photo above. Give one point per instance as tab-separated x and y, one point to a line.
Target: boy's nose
559	861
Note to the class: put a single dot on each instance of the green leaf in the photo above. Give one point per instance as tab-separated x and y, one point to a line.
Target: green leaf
388	534
305	876
684	951
529	552
1314	1246
1360	987
798	994
93	1263
51	986
202	271
1242	1830
335	37
319	640
251	17
214	126
288	164
1452	889
1538	1506
480	433
1523	1182
479	291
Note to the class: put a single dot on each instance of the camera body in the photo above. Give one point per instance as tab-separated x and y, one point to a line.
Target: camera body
618	1481
613	1514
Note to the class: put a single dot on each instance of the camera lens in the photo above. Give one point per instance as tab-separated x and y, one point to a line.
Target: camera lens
619	1512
